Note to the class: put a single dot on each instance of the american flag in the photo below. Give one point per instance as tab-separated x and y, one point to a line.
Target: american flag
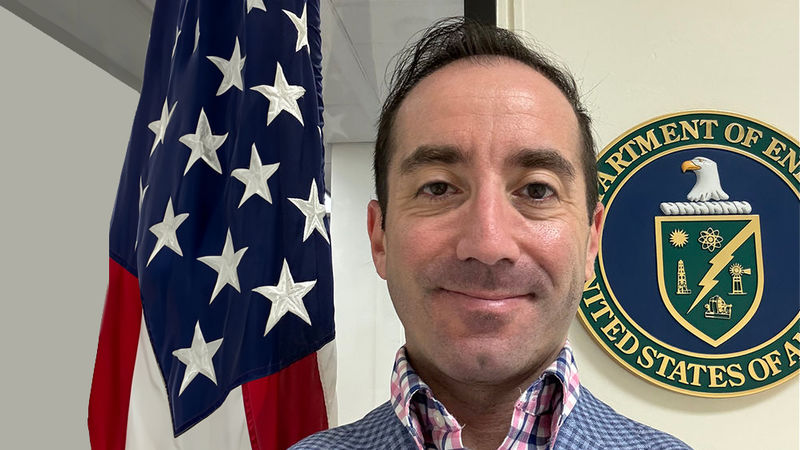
218	325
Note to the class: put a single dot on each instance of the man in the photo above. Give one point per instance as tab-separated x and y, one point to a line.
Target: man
485	229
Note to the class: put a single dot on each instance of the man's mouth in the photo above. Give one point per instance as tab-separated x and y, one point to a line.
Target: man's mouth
491	296
480	312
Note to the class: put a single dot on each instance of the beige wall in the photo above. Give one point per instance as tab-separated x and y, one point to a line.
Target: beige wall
638	60
368	332
64	126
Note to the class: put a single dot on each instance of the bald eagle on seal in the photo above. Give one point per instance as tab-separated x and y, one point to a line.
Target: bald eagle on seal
707	186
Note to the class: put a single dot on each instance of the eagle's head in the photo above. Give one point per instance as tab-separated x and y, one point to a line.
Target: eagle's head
699	164
707	187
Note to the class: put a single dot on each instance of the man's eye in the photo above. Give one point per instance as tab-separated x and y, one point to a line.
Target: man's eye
538	191
436	189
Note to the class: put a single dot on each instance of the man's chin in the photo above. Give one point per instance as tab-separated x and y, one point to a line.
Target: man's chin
486	366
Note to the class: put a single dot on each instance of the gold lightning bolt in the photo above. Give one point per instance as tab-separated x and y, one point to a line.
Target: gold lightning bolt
721	260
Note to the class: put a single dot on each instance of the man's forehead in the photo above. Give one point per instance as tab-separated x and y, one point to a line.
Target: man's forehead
480	75
496	93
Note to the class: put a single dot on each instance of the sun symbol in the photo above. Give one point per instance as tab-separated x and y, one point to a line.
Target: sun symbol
678	238
710	239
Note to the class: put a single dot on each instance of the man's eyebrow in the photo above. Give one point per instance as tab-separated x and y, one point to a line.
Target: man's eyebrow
546	158
426	155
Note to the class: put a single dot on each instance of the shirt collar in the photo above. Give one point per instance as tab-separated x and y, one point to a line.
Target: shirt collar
565	372
406	384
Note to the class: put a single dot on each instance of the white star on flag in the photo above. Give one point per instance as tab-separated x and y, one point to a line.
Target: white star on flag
159	127
255	178
142	192
226	266
196	35
231	69
166	231
314	212
198	358
287	296
177	35
257	4
302	28
282	96
204	144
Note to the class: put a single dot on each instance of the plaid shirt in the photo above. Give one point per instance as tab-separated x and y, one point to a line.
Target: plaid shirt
538	413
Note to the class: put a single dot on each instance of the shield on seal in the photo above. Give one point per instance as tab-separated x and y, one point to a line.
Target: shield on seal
710	272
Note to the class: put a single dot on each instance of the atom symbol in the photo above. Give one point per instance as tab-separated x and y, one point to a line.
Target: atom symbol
710	239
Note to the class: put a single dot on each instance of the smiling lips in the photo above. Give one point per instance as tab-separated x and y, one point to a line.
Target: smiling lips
487	295
485	302
482	313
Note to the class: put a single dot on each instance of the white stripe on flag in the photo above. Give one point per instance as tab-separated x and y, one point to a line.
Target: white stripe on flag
326	363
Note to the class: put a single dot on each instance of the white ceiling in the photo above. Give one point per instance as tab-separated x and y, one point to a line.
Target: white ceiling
359	39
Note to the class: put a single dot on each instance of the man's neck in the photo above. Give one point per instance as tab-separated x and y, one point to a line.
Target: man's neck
484	412
484	409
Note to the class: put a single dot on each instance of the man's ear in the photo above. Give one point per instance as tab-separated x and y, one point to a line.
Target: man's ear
376	234
594	239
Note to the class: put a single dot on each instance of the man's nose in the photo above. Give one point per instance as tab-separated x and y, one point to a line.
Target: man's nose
487	230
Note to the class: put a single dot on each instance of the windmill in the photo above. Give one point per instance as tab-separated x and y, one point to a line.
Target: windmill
736	270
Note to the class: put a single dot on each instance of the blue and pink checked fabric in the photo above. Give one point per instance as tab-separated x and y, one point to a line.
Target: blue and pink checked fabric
538	414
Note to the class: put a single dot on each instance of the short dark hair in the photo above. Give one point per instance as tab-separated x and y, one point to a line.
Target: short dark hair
457	38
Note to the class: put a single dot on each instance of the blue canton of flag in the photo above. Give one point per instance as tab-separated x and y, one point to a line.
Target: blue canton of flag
219	212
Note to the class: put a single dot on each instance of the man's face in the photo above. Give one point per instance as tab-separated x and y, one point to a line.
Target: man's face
486	244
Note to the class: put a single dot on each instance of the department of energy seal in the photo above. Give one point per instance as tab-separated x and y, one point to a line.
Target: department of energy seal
697	280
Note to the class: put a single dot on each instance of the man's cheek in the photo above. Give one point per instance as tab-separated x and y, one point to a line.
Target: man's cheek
551	239
558	257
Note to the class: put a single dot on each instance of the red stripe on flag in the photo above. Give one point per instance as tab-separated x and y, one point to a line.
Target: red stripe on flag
116	355
286	406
